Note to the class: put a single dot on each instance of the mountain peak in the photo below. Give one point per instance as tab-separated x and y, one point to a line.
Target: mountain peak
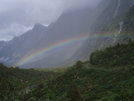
38	26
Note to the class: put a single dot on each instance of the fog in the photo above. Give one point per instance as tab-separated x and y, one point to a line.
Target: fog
18	16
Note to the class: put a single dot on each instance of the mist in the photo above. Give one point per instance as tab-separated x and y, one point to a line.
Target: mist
17	17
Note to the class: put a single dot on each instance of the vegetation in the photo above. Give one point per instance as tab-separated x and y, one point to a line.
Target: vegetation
52	69
108	76
88	84
77	83
15	83
118	55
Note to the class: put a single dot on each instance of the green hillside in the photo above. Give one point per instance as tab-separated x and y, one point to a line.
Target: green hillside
15	82
104	82
89	85
117	55
108	76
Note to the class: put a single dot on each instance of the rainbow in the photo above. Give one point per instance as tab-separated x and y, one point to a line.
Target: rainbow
29	57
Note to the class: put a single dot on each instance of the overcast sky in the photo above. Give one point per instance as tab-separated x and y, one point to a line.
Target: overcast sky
18	16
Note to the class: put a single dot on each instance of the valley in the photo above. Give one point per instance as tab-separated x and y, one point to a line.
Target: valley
87	54
95	80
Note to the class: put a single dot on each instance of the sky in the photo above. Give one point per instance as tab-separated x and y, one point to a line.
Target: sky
18	16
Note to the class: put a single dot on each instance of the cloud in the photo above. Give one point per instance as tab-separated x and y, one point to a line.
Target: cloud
16	16
12	30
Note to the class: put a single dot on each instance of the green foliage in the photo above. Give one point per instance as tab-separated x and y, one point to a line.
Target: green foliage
85	84
74	84
77	83
79	64
16	83
74	94
117	55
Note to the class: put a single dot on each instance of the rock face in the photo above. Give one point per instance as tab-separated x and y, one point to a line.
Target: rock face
118	28
19	46
114	8
70	38
2	44
107	26
51	46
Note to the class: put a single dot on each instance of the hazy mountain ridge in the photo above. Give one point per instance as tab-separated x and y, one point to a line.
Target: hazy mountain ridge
117	30
114	13
20	45
69	26
114	8
2	44
58	40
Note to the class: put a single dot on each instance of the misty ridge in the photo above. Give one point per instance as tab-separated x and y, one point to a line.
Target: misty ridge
73	36
67	50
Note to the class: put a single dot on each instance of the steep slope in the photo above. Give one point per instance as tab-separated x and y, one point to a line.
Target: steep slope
129	22
70	38
54	46
115	8
61	39
2	44
111	17
84	50
117	30
69	33
19	46
117	55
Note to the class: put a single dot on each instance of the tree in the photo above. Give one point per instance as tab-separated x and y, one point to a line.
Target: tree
74	94
79	64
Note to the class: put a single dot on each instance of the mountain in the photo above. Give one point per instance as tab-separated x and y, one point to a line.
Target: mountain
73	36
2	44
118	29
19	46
114	8
62	39
69	33
112	18
51	46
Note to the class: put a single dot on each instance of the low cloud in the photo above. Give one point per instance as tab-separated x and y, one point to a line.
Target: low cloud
17	16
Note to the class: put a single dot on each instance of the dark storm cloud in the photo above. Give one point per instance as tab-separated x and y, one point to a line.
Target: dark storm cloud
17	16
